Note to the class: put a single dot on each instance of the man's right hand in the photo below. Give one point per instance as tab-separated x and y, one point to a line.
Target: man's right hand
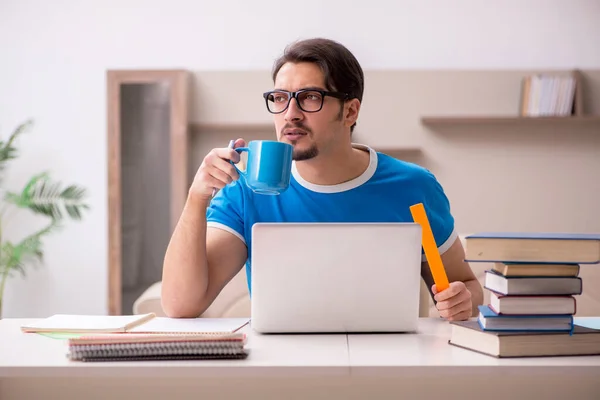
193	275
216	171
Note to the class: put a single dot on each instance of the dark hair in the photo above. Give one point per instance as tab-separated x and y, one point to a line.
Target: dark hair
341	69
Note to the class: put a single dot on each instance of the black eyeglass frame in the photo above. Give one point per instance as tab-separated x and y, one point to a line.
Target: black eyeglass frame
294	95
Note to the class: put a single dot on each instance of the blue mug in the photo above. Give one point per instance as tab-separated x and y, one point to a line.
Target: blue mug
269	166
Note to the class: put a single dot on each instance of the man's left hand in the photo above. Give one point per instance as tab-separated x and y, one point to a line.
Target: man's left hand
454	303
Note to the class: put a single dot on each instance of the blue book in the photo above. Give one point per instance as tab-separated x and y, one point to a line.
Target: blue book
584	339
490	321
533	247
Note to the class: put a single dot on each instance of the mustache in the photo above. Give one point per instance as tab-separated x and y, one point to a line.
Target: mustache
295	126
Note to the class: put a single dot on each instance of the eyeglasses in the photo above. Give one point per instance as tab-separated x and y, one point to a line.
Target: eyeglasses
309	100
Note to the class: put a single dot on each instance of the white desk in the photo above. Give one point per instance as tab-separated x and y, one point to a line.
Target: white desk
297	367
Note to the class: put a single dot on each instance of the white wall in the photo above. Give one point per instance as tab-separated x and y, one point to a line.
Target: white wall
53	56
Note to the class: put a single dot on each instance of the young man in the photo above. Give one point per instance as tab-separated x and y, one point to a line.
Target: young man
318	88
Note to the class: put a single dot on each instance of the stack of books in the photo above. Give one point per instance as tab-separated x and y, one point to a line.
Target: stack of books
532	285
531	297
145	337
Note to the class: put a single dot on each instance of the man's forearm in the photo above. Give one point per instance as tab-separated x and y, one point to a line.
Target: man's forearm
476	295
185	269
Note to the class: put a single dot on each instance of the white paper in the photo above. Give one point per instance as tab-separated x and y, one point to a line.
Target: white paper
190	325
67	322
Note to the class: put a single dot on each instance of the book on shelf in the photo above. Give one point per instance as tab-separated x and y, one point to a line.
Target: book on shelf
545	95
159	346
142	323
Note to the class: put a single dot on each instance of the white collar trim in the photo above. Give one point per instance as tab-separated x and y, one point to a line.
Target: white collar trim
341	187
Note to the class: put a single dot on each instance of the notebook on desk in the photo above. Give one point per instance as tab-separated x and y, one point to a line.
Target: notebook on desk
159	346
146	337
143	323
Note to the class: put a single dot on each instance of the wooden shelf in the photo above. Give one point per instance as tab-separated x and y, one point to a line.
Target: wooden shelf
398	151
507	120
232	128
268	127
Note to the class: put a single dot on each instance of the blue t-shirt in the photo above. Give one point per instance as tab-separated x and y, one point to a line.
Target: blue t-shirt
384	192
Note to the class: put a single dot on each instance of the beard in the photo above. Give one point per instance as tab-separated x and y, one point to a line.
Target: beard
305	154
302	154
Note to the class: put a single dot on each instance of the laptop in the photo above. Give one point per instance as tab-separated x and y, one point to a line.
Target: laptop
335	277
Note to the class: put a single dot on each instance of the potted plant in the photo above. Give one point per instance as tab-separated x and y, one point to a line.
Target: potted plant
41	195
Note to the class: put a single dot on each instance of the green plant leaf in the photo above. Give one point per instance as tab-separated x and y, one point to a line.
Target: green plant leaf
7	149
44	196
14	258
40	195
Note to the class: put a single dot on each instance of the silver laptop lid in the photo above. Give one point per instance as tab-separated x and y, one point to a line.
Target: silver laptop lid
335	277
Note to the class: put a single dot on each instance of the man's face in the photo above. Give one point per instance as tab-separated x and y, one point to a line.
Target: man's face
310	133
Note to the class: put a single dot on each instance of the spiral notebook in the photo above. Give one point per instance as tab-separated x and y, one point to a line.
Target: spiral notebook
158	346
